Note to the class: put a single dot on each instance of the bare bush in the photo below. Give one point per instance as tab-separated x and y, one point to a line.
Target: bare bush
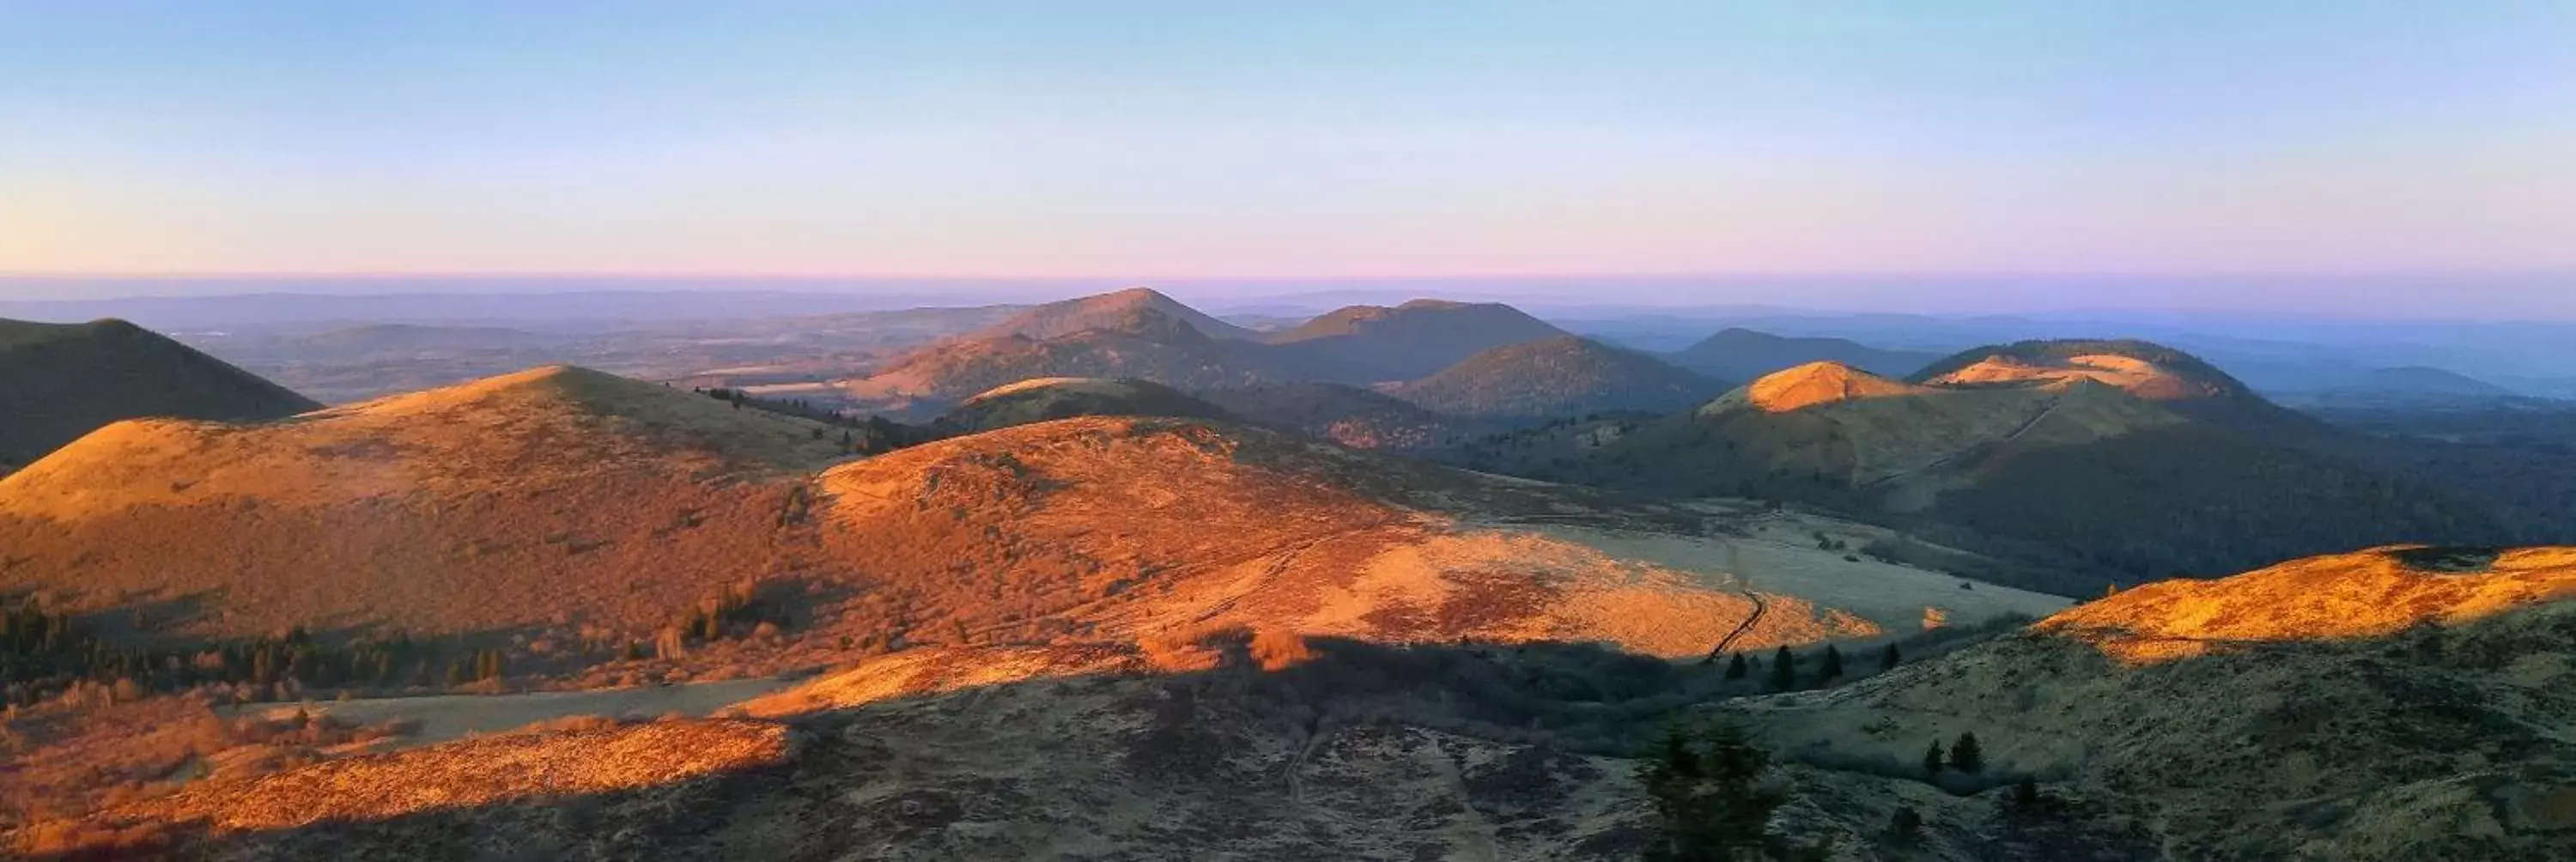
1276	649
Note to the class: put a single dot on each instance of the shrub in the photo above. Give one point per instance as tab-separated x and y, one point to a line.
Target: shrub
1966	756
1904	827
1279	648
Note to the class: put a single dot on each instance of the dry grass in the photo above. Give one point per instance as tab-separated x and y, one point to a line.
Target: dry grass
2345	707
2345	596
475	772
1276	649
513	502
1812	384
559	516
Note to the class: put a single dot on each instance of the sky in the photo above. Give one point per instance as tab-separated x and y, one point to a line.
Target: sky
2416	149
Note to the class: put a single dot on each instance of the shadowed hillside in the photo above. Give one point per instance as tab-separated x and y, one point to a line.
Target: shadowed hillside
1416	338
1565	376
1348	415
63	380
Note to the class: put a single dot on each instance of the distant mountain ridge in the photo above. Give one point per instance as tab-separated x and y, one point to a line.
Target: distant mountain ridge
1139	341
1144	335
60	381
1745	354
1417	337
1113	310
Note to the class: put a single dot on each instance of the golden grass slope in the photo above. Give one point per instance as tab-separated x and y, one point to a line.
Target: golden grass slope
1809	385
1111	528
479	772
561	504
556	492
2360	595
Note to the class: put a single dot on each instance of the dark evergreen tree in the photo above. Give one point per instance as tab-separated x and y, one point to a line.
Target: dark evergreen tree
1784	670
1709	803
1735	667
2025	798
1965	756
1887	657
1832	667
1904	826
1932	760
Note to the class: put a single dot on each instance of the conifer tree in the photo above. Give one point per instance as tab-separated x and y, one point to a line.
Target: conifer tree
1887	657
1832	667
1784	670
2025	796
1904	826
1735	667
1932	760
1965	756
1709	803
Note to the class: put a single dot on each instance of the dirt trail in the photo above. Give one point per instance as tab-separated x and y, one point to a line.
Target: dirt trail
1945	460
1735	569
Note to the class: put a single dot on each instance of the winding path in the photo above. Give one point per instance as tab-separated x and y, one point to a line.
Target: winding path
1735	569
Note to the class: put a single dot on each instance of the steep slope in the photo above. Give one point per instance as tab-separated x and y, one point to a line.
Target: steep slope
1348	415
1108	311
1745	354
2401	703
1417	337
64	380
493	505
1564	376
1048	398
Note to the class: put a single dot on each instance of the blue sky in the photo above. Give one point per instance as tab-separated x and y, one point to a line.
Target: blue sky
1287	140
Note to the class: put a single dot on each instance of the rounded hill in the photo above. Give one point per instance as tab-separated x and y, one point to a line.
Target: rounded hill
1417	337
2145	369
1557	377
63	380
1810	385
1049	398
489	505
